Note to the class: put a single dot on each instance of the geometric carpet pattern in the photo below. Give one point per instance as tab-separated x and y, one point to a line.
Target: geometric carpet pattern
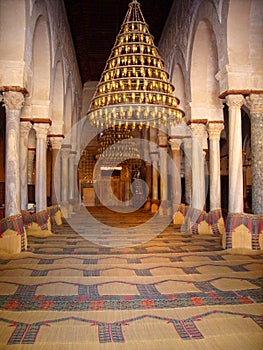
177	291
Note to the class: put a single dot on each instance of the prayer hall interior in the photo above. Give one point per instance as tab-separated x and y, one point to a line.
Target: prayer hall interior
131	174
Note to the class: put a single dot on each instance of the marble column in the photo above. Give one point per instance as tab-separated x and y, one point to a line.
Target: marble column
56	141
198	173
162	137
148	170
25	127
255	103
65	151
30	165
154	206
235	201
13	102
214	131
77	189
41	165
187	146
176	172
72	176
154	155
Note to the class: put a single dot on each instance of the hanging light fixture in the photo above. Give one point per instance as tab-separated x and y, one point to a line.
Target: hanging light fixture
134	88
116	145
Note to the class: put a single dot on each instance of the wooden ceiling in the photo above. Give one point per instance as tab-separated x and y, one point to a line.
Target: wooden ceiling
95	24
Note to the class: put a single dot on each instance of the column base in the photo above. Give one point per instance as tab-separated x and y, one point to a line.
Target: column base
178	216
147	205
154	206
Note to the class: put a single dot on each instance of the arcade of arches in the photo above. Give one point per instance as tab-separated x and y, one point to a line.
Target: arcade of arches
213	52
216	68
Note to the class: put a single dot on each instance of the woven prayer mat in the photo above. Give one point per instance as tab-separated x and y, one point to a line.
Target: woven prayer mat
176	291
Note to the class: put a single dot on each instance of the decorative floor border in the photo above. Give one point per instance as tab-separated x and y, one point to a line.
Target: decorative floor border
190	270
26	333
25	298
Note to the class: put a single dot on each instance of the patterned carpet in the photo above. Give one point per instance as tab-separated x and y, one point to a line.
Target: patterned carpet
176	291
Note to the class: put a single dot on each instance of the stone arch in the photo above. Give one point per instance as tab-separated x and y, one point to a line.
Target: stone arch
204	66
41	62
178	81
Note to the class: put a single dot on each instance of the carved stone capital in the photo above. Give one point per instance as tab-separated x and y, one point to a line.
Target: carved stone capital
56	141
25	127
41	130
13	100
175	144
255	103
214	130
200	133
162	139
235	101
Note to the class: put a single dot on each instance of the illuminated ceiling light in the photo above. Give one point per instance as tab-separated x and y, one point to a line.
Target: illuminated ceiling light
116	145
134	85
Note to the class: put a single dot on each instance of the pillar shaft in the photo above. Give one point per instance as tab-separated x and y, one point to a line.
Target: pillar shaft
235	202
188	170
24	131
30	165
13	102
72	175
41	165
255	102
198	174
148	169
65	174
163	210
176	172
155	176
154	154
214	130
56	141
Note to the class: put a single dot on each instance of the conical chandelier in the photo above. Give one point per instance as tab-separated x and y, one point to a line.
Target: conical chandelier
134	88
116	145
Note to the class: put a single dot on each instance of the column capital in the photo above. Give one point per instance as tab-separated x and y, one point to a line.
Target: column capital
25	127
214	129
235	101
41	130
162	139
255	103
175	144
56	141
200	133
13	100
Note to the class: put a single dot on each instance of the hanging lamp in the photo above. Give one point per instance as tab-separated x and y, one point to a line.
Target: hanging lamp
116	145
134	89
